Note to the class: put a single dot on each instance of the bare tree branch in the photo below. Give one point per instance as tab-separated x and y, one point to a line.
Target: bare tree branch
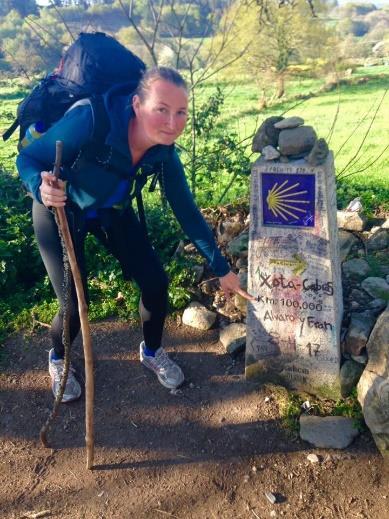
37	34
23	70
204	77
329	137
299	103
62	19
52	35
366	166
180	27
130	18
157	21
355	129
347	166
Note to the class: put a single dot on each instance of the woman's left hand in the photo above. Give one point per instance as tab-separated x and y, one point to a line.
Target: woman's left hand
230	285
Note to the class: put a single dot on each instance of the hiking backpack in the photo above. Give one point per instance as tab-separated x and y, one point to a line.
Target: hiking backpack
92	65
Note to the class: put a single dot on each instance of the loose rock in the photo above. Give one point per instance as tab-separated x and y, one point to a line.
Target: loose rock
361	359
376	287
354	205
350	373
356	268
241	263
359	330
379	240
385	225
318	154
270	153
313	458
266	134
233	338
385	271
227	230
241	304
209	286
360	296
180	249
378	347
377	304
289	122
346	241
351	221
271	497
297	140
239	245
373	389
332	432
197	316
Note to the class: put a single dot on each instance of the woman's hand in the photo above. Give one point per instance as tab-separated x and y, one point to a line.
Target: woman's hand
52	190
230	285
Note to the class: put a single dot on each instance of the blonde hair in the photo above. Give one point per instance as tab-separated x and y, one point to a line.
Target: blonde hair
166	73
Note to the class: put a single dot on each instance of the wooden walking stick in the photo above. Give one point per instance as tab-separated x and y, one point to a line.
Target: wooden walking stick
64	232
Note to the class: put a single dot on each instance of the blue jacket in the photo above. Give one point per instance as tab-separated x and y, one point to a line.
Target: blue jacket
102	188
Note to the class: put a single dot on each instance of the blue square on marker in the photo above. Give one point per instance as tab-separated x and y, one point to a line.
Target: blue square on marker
288	199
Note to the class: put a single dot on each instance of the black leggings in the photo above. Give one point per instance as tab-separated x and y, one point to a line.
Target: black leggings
122	234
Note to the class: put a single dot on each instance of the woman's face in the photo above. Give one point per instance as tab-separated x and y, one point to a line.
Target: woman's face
163	113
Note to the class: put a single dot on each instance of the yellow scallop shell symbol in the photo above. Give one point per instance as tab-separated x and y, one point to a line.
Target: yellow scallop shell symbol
283	203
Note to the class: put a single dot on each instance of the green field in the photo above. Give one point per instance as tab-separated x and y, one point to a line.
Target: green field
352	117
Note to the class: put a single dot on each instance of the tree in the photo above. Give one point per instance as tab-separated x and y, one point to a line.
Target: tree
23	7
32	44
352	10
355	27
277	35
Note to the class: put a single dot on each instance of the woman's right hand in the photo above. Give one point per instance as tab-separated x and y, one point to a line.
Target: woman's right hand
52	190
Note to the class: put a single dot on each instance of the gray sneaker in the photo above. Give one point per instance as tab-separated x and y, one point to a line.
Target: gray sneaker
168	372
72	388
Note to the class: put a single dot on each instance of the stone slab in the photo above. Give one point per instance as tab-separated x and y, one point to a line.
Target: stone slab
328	432
293	328
233	338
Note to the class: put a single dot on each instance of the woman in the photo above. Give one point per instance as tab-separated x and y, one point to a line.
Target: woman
143	129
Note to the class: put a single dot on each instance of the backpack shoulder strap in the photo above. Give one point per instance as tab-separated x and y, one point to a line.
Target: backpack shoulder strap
101	124
7	134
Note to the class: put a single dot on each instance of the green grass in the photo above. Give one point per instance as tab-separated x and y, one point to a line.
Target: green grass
10	94
345	117
290	407
349	105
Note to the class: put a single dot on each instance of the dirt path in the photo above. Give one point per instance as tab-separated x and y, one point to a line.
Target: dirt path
210	451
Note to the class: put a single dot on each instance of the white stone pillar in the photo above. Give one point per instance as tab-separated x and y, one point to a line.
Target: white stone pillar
293	329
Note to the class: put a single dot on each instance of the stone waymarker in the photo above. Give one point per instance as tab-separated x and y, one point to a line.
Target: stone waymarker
293	328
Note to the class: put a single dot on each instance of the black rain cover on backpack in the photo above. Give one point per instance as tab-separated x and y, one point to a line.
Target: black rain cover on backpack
93	63
96	62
